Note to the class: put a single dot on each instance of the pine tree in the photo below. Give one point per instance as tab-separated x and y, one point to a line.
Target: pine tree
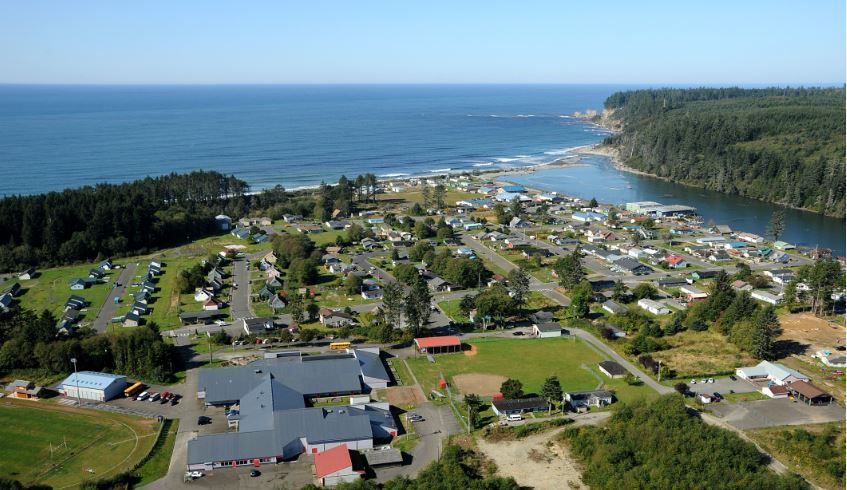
776	226
551	390
766	329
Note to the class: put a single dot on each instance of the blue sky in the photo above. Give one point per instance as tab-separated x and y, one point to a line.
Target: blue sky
397	41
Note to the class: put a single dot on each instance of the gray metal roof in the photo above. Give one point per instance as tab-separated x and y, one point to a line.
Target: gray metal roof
371	364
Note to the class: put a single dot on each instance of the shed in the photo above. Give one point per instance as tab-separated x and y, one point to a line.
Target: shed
439	345
612	369
335	466
546	330
90	385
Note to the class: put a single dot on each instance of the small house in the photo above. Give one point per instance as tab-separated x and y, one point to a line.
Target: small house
78	284
653	307
505	407
546	330
614	308
24	389
132	319
27	274
582	399
276	303
612	369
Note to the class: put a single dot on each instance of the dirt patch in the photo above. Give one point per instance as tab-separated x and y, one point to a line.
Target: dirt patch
811	330
471	351
534	462
403	396
481	384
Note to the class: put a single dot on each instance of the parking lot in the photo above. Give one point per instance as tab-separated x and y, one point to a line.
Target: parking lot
292	474
770	413
723	386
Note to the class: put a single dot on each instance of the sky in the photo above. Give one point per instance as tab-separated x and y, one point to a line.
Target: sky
400	41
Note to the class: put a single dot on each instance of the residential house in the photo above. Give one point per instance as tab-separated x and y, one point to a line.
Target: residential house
24	389
276	302
693	294
27	274
750	237
519	223
504	407
614	308
201	295
257	326
546	330
740	285
335	225
14	290
241	233
653	307
132	319
373	293
631	266
78	284
582	399
75	303
291	218
676	261
768	371
335	318
5	301
766	297
212	305
718	256
780	245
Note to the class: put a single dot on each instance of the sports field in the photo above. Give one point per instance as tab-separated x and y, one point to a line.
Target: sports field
86	444
530	361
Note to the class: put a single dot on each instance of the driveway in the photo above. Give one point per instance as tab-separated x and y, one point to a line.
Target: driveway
107	311
770	413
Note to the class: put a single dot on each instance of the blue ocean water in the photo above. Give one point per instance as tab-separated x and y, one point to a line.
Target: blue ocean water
54	137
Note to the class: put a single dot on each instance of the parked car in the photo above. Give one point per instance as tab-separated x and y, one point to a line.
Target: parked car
711	380
203	420
255	473
518	333
175	399
166	397
694	381
515	417
717	395
155	397
196	474
142	396
733	378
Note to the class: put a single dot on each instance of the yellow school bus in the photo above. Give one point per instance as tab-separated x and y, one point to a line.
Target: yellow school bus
132	390
339	345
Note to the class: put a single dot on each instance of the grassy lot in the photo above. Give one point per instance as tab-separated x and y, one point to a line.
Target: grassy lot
402	371
51	289
698	354
528	360
744	397
86	444
415	196
157	466
814	451
451	309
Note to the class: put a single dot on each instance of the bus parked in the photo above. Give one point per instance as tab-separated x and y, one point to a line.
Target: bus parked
339	345
132	390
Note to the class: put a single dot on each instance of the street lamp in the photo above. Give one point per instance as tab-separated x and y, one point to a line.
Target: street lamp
76	377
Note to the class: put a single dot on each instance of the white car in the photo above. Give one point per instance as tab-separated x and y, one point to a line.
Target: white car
694	381
220	322
196	474
711	380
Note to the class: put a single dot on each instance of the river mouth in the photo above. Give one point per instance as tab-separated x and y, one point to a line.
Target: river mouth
598	178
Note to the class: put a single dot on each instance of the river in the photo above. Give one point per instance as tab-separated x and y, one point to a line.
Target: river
598	178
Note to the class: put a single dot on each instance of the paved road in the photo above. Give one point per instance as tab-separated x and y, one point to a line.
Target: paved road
240	293
107	311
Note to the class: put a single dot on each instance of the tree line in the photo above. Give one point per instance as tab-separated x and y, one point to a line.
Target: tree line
779	145
28	341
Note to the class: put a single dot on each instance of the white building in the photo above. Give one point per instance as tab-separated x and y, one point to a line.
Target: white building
90	385
766	297
776	373
653	307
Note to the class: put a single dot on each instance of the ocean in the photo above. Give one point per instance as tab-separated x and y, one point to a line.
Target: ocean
54	137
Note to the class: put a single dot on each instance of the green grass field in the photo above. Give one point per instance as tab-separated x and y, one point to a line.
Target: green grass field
530	361
86	444
157	466
51	289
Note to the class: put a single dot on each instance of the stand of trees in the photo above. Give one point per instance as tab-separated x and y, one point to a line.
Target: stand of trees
779	145
662	445
29	341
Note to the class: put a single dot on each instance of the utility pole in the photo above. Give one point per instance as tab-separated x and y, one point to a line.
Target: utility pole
660	371
76	377
209	337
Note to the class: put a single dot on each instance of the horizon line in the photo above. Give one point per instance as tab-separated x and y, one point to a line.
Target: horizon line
270	84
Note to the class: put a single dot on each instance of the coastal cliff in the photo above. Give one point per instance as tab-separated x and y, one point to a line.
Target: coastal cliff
784	146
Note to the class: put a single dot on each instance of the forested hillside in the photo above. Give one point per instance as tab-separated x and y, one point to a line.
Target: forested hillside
778	145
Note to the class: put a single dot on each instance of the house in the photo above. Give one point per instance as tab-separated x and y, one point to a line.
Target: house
141	297
504	407
215	286
5	301
513	189
27	274
519	223
256	326
241	233
335	318
335	466
780	257
13	290
106	265
766	297
536	252
808	393
140	308
693	294
774	390
720	229
203	317
768	371
24	389
653	307
676	261
671	282
223	222
335	225
585	217
464	252
718	256
75	302
201	295
780	276
473	225
438	345
89	385
546	330
132	319
260	238
596	398
750	237
340	268
274	420
273	282
612	369
291	218
740	285
78	284
630	266
614	308
275	302
211	305
780	245
374	293
616	332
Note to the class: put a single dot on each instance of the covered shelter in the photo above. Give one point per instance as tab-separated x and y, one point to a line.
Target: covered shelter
808	393
439	345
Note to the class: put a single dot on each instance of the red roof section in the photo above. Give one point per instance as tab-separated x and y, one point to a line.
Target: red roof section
332	460
443	341
674	259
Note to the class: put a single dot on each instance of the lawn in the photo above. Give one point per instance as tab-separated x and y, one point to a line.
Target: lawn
815	451
528	360
50	289
86	444
157	466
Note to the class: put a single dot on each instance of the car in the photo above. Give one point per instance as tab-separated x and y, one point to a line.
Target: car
155	397
166	397
142	396
717	395
694	381
220	322
175	399
733	378
711	380
203	420
515	417
703	381
196	474
518	333
255	473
